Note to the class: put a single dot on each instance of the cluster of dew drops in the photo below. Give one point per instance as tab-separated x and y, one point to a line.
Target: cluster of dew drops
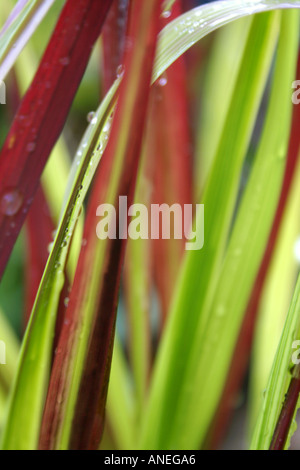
92	119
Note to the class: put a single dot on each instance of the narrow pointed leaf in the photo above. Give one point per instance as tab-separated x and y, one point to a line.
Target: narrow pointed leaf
39	230
244	344
275	300
200	270
31	381
173	166
280	378
247	242
182	33
113	39
76	400
35	129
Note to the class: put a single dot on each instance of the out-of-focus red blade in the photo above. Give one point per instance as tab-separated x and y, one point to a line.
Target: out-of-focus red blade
113	40
39	233
129	123
173	164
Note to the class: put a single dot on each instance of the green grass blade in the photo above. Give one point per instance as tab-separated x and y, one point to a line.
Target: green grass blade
18	30
223	61
30	385
209	365
275	302
279	379
182	33
79	374
12	347
10	343
120	407
137	270
198	276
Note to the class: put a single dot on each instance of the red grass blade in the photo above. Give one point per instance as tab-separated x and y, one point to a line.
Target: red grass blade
125	153
113	37
39	230
173	165
43	112
287	413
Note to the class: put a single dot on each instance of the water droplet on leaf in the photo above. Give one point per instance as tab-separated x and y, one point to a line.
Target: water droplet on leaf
120	71
166	14
64	61
50	246
90	116
31	147
11	202
162	81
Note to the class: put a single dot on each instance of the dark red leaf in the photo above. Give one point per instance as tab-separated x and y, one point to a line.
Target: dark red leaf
42	114
90	402
39	230
173	165
113	38
287	413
